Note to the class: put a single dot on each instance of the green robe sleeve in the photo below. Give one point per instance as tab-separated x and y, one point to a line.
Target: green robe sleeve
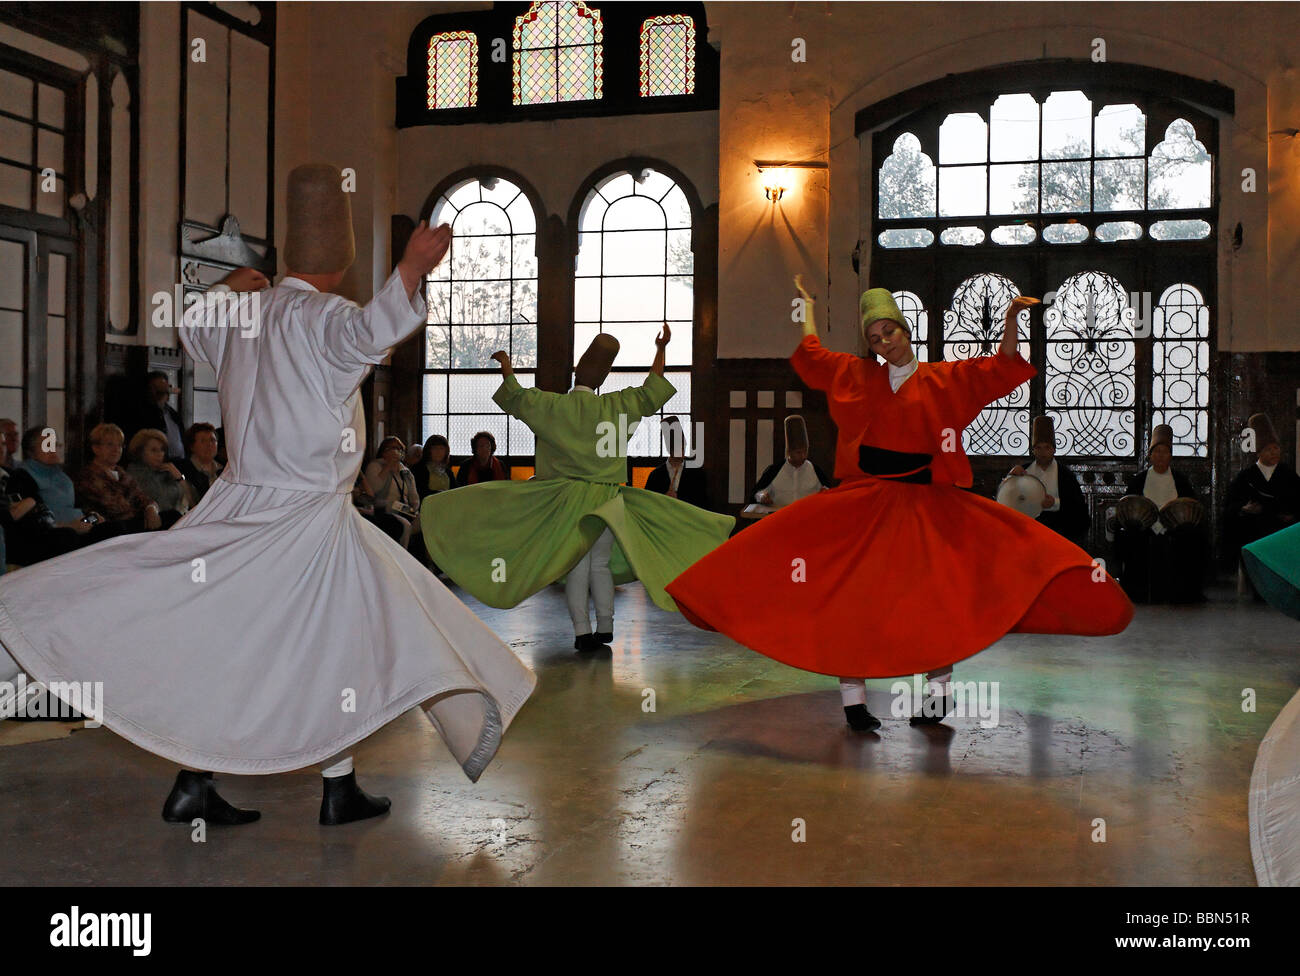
529	404
641	401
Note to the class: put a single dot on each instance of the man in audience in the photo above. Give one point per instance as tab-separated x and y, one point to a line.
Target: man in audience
9	434
1264	497
675	478
156	413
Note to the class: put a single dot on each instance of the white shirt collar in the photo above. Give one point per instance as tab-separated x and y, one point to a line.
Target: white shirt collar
897	374
584	389
289	281
1266	469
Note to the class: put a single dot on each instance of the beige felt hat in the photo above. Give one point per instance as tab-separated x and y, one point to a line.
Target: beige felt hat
594	365
1161	434
319	239
1265	435
796	434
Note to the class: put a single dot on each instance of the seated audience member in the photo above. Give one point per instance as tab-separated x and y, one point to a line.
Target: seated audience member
201	466
153	411
414	454
1166	562
31	531
785	482
482	464
392	486
391	525
105	486
675	478
157	477
1064	509
433	472
1264	497
9	434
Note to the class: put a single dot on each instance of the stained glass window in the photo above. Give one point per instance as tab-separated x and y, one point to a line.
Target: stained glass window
635	270
1180	394
668	55
973	326
453	70
482	297
558	54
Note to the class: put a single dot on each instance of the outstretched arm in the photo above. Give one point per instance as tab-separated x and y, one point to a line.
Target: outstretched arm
809	307
661	346
1011	334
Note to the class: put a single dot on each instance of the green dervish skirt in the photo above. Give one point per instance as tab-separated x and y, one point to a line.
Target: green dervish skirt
1274	566
502	541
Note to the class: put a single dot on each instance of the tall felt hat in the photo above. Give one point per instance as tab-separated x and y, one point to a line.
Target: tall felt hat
1043	431
320	239
674	437
594	365
1161	434
796	434
1265	435
878	303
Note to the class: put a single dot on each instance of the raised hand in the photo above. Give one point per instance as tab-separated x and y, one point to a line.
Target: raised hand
503	357
664	337
424	252
803	292
245	279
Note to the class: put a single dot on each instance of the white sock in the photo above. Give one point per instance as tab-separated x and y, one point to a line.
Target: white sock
341	768
853	691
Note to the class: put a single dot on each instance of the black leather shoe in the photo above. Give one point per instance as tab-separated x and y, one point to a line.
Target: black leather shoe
604	637
343	801
194	798
859	719
933	710
587	643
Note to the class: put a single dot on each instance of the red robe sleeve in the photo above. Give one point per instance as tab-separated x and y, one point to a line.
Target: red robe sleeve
983	379
817	365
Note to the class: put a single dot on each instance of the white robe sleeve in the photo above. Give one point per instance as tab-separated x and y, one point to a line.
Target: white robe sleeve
351	338
200	328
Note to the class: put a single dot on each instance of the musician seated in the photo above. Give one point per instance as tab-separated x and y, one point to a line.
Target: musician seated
1064	509
1161	548
1264	497
677	478
785	482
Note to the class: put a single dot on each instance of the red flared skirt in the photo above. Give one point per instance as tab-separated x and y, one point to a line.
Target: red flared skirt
879	578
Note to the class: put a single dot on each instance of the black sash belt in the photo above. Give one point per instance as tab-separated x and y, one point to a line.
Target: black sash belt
895	465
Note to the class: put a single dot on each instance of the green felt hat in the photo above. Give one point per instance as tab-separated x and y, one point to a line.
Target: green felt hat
878	303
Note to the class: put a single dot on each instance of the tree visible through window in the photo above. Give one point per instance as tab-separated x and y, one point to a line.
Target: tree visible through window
634	271
482	297
1083	200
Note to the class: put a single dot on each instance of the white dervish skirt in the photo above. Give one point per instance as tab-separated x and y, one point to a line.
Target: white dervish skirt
268	630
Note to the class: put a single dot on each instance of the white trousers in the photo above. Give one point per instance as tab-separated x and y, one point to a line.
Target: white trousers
853	691
592	578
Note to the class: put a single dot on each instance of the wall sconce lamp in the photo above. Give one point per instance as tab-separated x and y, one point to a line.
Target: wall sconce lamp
776	176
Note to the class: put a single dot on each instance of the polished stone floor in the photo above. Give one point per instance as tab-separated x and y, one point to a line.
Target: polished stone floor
743	772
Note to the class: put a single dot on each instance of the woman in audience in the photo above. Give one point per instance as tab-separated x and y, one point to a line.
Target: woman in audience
200	466
106	487
483	464
392	485
433	471
158	478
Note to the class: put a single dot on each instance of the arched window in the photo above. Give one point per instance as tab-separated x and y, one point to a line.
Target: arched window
635	270
918	320
668	55
558	53
1092	190
453	70
482	297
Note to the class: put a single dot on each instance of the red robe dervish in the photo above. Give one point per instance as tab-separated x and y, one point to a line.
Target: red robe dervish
898	570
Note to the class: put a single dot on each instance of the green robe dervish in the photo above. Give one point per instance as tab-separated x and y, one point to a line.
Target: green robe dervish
1274	566
505	540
